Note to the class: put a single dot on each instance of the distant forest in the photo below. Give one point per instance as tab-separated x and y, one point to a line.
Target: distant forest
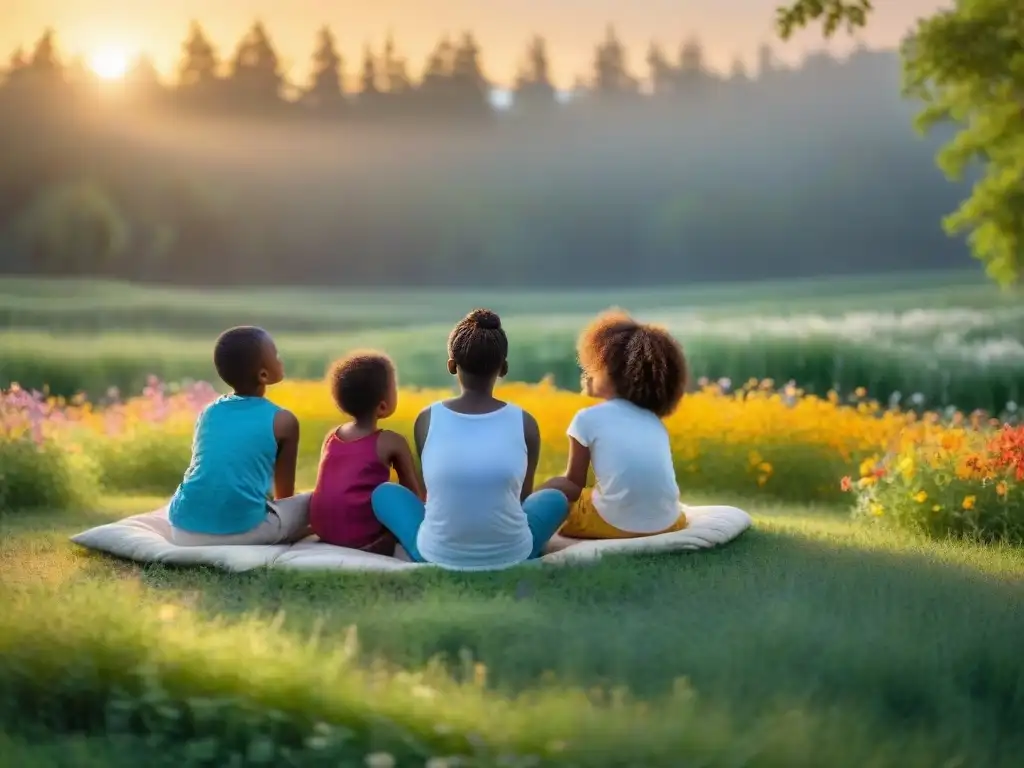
654	169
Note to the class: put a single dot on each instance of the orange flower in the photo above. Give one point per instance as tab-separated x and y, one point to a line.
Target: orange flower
969	502
846	484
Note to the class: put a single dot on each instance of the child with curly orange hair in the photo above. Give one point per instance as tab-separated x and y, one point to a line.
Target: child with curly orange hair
639	371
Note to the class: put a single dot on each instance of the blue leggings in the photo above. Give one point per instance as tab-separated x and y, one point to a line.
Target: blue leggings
401	512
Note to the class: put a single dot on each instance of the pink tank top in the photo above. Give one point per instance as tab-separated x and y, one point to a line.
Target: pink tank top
339	510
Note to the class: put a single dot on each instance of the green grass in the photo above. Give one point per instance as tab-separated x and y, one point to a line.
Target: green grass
810	641
951	339
92	306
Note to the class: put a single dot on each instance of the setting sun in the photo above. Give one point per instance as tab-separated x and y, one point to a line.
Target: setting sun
109	63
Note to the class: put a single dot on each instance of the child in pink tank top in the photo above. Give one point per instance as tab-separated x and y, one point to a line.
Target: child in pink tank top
357	457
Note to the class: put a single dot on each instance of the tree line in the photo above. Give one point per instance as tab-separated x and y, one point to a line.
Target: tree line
230	174
451	81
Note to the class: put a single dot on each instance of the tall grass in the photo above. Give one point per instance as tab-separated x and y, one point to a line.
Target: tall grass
923	340
976	364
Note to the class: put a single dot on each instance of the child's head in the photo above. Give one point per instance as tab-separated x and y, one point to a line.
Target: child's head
247	361
478	350
365	385
634	361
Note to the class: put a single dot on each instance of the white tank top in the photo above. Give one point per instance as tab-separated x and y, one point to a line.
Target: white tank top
473	468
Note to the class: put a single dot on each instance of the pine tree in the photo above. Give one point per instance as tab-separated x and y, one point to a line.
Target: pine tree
44	60
142	79
198	71
662	73
439	69
256	78
765	61
369	77
534	89
17	67
692	76
396	75
738	71
470	86
611	75
326	89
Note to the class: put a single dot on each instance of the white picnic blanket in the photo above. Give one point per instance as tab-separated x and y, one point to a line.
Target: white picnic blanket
145	539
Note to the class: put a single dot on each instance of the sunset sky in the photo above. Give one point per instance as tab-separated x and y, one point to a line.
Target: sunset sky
727	27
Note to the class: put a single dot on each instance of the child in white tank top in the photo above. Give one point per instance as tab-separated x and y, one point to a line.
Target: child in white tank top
639	371
479	456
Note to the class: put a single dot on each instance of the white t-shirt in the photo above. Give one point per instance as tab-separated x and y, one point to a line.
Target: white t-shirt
631	455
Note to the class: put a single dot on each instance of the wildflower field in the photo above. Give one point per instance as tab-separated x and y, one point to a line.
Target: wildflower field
818	638
872	616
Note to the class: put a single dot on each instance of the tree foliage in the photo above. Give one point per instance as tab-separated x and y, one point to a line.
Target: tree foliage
966	65
832	14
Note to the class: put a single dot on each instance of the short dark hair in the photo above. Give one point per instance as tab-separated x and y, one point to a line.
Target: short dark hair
359	382
643	363
238	355
478	344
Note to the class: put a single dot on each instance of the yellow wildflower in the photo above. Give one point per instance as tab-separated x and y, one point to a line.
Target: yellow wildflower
906	467
969	502
921	497
1001	489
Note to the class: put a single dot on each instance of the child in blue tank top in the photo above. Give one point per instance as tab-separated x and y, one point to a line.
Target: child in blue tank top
242	445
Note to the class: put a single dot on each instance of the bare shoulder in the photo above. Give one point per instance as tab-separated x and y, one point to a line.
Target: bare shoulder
422	425
530	427
423	418
286	424
420	429
393	440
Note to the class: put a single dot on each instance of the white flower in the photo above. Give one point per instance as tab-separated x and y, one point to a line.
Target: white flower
380	760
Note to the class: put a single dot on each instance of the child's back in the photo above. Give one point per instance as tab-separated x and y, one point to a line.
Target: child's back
234	451
243	445
640	372
350	470
631	455
357	457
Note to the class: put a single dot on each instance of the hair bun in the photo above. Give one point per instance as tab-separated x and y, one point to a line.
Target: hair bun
485	319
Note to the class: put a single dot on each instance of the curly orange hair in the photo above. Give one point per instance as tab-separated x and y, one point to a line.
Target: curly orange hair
643	363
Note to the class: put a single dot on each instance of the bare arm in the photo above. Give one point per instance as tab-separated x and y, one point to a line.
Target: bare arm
574	480
420	431
399	455
531	432
286	432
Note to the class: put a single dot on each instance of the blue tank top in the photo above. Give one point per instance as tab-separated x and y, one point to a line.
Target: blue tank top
234	451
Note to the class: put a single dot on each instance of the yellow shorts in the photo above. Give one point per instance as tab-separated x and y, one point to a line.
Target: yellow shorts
585	522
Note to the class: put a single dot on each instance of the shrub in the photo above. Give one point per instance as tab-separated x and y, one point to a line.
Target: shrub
42	475
55	453
962	482
37	469
145	460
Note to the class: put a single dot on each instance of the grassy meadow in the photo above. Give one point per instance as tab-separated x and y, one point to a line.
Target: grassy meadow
939	340
811	641
871	617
